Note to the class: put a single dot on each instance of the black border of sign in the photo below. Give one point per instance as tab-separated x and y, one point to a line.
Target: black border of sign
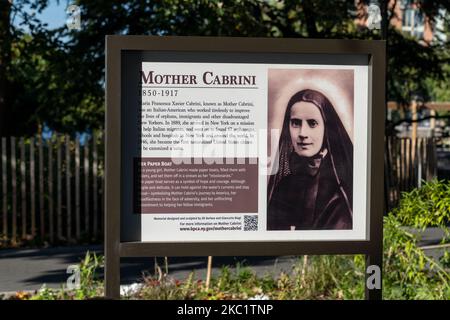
115	249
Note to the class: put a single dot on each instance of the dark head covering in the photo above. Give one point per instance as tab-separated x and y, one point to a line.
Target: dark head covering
336	141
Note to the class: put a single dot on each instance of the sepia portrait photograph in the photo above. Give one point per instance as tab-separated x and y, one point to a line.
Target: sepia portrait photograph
310	119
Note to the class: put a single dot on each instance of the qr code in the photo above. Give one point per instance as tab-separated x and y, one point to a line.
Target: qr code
250	223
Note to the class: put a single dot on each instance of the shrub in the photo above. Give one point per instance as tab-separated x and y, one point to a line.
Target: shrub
408	273
428	206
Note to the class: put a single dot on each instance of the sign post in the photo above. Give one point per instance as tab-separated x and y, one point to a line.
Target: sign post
243	146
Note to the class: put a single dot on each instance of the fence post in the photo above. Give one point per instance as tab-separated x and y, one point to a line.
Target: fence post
23	189
434	158
14	190
410	163
415	163
419	162
41	189
86	187
51	197
37	202
59	187
5	190
77	187
68	191
32	189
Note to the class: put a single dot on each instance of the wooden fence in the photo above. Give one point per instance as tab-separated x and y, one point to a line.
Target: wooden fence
51	190
408	162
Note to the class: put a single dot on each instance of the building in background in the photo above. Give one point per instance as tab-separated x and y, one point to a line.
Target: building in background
407	17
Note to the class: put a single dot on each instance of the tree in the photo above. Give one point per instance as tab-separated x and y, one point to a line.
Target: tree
5	57
57	76
16	101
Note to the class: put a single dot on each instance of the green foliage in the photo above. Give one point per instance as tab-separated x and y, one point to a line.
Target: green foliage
408	273
428	206
412	67
438	88
57	76
322	277
445	259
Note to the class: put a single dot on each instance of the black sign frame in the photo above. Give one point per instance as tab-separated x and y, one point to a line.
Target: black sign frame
115	249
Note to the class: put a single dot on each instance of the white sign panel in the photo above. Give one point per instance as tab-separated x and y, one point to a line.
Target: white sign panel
252	152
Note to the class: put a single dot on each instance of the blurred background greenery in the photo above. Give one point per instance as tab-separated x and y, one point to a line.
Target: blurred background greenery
52	76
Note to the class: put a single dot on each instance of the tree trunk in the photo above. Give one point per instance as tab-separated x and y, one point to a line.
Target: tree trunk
5	57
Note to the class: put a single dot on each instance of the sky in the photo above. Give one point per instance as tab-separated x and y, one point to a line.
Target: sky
54	15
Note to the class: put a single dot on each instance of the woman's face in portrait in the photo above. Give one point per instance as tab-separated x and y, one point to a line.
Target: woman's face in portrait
307	128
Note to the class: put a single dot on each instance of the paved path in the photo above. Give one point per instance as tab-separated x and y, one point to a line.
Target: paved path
29	269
